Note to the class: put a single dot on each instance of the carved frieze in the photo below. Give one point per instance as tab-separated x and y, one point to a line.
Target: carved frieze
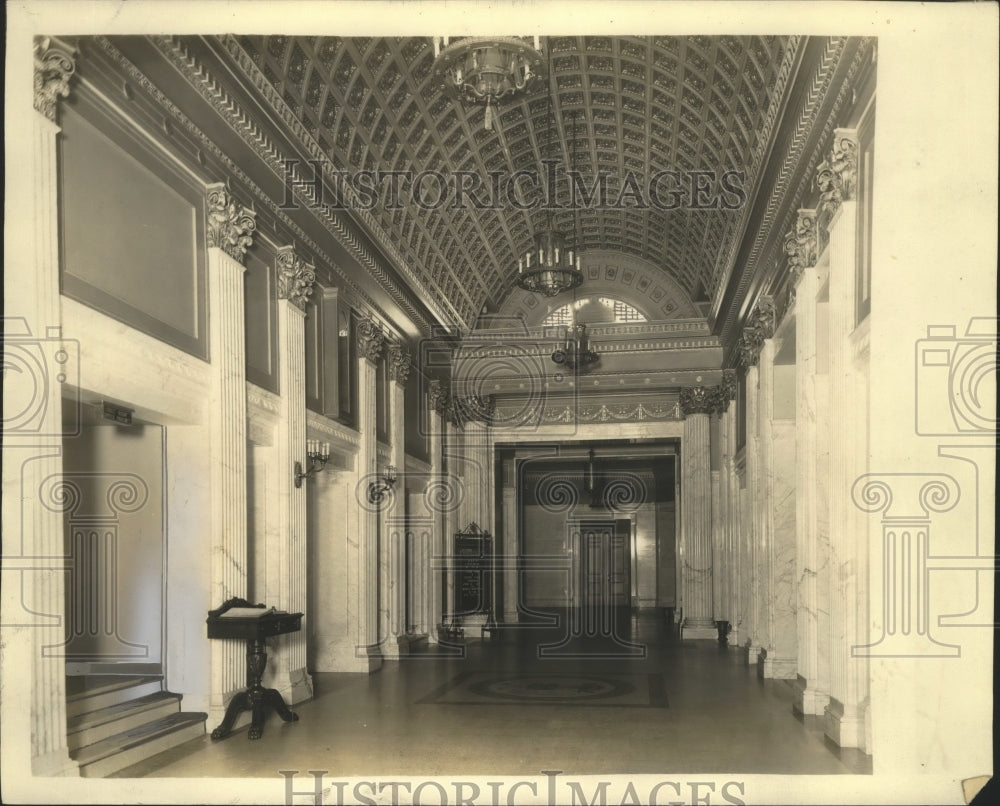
400	363
295	277
371	339
837	177
230	226
54	64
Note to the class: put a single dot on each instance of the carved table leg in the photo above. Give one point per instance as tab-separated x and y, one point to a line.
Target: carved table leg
273	698
237	705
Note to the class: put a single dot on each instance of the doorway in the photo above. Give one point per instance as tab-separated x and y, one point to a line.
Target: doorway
605	576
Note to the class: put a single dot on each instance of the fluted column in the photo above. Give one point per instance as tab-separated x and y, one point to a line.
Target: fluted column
229	232
510	548
286	556
371	342
33	586
696	515
438	503
725	513
394	518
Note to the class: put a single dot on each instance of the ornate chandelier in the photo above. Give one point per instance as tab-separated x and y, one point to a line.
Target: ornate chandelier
549	267
575	350
484	69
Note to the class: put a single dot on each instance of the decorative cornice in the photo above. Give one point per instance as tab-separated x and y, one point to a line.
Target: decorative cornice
371	339
437	397
230	226
295	277
400	363
837	177
54	66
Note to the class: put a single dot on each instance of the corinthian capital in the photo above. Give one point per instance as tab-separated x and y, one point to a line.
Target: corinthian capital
437	397
295	277
700	400
400	363
54	66
759	327
728	387
801	244
230	227
480	408
371	339
837	177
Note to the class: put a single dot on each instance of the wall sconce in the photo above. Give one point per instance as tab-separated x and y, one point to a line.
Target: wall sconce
378	489
317	453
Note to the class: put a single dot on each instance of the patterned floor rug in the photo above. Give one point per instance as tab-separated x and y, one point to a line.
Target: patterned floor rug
608	690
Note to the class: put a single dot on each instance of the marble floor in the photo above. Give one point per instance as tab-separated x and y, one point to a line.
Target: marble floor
643	701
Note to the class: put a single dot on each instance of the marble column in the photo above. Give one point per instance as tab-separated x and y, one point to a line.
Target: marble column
728	557
371	342
439	503
393	534
287	550
35	565
753	517
812	687
509	560
696	515
229	233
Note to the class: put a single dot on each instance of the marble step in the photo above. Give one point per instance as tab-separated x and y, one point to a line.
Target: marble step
111	691
131	746
94	726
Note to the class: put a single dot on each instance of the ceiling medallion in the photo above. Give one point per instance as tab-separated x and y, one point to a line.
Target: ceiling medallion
484	69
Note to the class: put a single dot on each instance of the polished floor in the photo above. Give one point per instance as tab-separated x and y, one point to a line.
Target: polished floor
639	700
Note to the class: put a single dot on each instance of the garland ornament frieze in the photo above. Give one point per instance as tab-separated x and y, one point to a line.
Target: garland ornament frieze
54	66
759	327
371	339
295	278
400	363
230	226
837	177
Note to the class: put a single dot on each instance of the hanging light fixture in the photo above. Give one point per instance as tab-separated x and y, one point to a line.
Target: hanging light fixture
551	265
575	352
484	69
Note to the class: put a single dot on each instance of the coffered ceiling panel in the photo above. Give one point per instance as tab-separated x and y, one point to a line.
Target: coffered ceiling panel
627	107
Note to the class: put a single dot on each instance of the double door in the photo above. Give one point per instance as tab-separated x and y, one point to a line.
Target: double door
605	566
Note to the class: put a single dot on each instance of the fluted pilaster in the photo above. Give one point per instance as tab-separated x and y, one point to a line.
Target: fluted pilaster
395	524
228	237
696	519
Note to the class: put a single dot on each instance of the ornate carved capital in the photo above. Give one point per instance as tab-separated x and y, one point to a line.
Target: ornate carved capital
759	326
437	397
701	400
371	339
728	387
837	177
54	66
801	244
295	277
400	363
230	227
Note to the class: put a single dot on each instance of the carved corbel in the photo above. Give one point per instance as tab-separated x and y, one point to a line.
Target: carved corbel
230	226
54	66
371	340
400	363
295	277
837	177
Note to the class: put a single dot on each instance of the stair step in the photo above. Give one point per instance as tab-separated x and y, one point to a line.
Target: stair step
111	691
93	726
136	744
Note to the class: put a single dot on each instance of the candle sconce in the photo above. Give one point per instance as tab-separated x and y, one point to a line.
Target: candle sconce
377	489
318	453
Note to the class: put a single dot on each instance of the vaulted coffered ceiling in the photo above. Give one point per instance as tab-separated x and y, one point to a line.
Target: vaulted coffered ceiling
638	104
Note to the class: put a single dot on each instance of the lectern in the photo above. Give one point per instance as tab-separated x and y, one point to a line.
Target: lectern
237	618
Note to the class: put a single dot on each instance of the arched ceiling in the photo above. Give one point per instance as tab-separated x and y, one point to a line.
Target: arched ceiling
640	105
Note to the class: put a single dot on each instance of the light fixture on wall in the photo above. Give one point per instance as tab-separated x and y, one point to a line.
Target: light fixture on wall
318	453
484	69
591	481
377	490
575	351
